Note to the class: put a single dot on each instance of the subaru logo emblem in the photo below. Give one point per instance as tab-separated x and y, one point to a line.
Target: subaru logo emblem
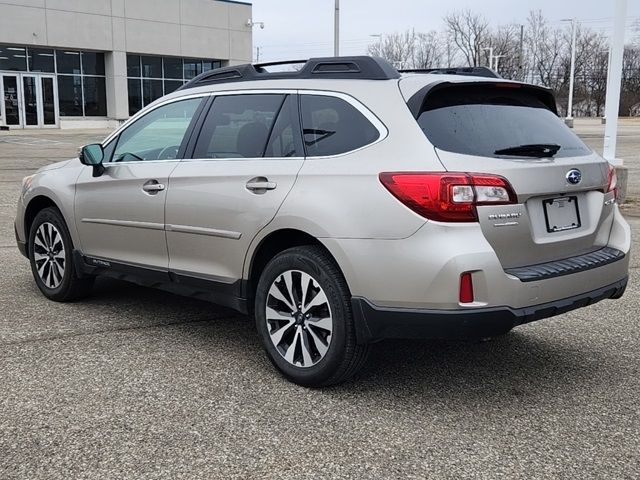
574	176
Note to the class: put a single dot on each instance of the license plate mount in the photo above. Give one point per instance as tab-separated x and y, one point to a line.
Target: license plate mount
561	214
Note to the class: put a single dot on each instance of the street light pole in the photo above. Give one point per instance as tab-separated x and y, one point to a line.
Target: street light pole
612	102
336	30
569	118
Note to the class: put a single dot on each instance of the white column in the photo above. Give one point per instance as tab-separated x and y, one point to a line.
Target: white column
115	64
612	102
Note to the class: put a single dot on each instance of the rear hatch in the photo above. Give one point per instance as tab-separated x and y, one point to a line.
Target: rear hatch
512	130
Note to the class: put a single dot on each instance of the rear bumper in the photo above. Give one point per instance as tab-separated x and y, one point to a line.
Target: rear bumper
377	323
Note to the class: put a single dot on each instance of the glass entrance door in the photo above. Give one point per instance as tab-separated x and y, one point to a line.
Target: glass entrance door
10	107
29	100
49	105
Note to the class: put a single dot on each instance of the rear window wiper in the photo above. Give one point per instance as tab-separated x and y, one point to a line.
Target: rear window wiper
531	150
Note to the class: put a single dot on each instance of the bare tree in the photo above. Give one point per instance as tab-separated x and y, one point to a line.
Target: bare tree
630	96
545	57
397	48
505	42
429	51
469	32
410	49
545	49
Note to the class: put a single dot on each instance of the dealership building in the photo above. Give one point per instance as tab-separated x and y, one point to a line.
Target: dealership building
94	63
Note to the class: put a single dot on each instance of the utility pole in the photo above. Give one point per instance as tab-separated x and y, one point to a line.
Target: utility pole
521	54
257	54
569	118
490	56
612	102
336	30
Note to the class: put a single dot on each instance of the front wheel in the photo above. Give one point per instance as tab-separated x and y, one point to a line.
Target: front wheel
304	319
51	257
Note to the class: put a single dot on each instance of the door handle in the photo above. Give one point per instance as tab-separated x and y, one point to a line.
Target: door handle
153	186
260	185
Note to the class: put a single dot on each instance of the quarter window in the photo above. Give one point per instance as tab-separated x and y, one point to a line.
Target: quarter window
157	135
239	126
332	126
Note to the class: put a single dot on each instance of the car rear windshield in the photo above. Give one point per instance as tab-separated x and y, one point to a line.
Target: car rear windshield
480	120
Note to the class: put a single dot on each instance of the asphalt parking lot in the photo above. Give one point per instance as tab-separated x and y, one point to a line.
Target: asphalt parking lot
136	383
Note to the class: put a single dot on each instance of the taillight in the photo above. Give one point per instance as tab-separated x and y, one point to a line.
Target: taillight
448	196
612	180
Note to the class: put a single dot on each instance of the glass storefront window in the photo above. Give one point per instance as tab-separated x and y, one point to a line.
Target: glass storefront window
134	86
192	68
68	61
133	65
151	90
70	95
171	85
95	98
150	77
173	68
80	77
13	58
41	60
92	63
152	67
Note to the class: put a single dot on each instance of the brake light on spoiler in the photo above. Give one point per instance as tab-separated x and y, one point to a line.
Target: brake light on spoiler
448	196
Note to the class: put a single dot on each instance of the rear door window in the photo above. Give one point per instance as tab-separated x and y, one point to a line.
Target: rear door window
484	119
239	126
332	126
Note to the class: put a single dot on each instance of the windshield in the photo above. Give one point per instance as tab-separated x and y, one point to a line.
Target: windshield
490	121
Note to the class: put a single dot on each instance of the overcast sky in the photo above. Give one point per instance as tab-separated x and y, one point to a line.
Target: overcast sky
296	29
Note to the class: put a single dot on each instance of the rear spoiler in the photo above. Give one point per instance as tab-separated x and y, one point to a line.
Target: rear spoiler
417	100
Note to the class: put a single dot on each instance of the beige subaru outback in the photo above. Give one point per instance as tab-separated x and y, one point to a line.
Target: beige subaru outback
341	203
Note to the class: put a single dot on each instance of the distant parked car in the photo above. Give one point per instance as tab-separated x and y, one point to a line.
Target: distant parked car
341	204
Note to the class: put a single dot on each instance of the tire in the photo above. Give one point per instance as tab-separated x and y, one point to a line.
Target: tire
51	257
312	340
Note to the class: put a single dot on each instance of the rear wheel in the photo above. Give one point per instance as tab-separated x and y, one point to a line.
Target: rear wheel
303	315
51	256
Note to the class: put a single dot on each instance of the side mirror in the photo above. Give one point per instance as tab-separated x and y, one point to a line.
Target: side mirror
93	155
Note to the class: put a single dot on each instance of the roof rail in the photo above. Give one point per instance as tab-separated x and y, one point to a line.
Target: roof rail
468	71
362	67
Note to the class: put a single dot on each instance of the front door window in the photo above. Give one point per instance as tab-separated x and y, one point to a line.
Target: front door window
157	135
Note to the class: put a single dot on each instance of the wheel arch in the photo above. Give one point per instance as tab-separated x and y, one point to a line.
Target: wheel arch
273	243
36	205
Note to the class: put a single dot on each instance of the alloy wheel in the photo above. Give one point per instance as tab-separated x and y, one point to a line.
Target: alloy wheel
299	319
49	255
